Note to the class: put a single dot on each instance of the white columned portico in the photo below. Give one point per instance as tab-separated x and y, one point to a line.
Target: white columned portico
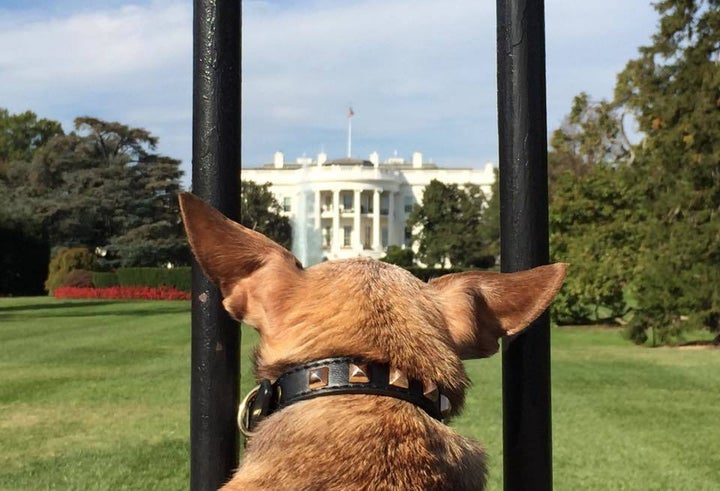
391	217
356	242
336	184
376	221
317	211
336	239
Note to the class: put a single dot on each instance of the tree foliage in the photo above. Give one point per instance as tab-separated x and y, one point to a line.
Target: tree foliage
101	187
395	254
593	221
259	210
22	134
450	226
649	214
24	250
674	90
592	134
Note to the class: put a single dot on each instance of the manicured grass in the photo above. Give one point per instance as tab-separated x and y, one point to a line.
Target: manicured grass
624	417
94	395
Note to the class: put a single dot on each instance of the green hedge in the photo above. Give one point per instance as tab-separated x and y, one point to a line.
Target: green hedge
105	280
178	278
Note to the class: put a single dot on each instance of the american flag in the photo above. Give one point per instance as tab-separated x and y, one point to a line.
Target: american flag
351	113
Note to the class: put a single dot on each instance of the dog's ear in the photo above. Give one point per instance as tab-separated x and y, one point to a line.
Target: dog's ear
241	262
482	307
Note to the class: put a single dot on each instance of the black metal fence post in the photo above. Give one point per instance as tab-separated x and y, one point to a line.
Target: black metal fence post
215	178
522	127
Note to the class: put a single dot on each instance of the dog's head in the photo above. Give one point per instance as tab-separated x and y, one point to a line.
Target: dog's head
361	307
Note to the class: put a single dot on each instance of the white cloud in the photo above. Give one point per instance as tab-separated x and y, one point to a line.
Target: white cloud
408	56
96	48
131	63
420	74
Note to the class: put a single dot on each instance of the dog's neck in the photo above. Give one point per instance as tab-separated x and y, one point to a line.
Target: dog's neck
340	375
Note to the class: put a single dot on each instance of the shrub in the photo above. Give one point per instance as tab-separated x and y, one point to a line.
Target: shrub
78	278
105	280
64	261
178	278
399	256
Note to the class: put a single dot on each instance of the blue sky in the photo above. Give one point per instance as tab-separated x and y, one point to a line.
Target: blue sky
419	74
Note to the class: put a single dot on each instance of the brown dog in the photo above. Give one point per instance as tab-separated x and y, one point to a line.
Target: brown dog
383	346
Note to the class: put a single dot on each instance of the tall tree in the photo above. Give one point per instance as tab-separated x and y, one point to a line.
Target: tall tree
673	87
259	210
593	211
643	221
448	226
24	250
153	233
102	186
594	226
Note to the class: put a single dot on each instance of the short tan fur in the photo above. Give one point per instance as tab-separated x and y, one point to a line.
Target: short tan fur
377	311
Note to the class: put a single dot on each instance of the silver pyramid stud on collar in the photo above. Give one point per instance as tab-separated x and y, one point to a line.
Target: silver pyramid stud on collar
398	378
318	378
431	391
357	373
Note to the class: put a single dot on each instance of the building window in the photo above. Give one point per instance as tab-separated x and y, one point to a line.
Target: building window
368	237
384	236
327	237
347	236
384	203
367	202
347	199
408	238
409	202
287	203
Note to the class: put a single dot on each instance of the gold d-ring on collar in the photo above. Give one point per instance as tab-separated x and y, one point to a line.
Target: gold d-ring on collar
243	418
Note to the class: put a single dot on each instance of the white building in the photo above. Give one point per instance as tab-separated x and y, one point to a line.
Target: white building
350	207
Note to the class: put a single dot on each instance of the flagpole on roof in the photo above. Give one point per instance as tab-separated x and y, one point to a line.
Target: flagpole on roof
351	113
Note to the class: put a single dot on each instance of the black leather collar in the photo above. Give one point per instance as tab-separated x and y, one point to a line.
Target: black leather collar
342	375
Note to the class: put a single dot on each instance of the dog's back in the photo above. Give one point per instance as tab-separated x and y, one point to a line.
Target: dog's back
359	442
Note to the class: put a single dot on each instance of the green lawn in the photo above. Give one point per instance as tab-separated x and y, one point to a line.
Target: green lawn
94	395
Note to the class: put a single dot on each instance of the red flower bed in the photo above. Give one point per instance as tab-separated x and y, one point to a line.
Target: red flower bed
122	293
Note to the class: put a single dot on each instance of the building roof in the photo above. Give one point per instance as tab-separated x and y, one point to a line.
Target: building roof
348	162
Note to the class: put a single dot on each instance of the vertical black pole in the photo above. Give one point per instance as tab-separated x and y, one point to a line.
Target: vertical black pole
215	178
524	237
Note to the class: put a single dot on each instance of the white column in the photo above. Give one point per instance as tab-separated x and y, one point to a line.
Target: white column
376	221
391	218
317	210
356	241
336	239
